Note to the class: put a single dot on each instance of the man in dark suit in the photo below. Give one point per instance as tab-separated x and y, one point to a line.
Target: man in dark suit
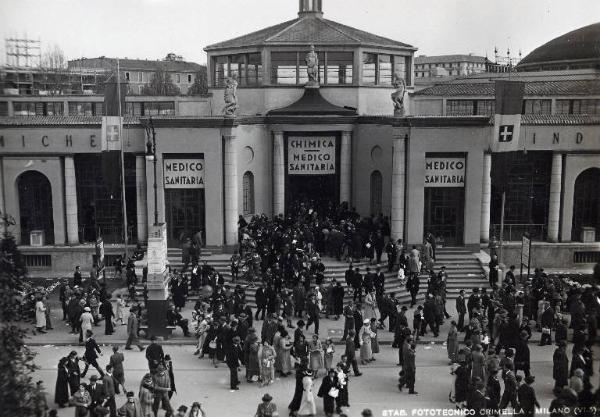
410	369
477	400
357	285
107	312
133	326
109	383
261	303
234	361
527	398
461	309
348	318
509	396
369	280
91	354
97	394
154	355
77	280
312	310
350	353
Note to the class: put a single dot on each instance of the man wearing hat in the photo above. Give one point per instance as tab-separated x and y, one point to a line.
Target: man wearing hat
366	413
234	362
97	394
154	355
493	390
162	388
527	397
522	354
181	411
312	310
266	408
133	326
91	354
132	408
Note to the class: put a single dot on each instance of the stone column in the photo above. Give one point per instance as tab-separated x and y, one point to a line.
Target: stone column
555	190
486	197
278	174
140	194
398	184
230	181
71	201
346	168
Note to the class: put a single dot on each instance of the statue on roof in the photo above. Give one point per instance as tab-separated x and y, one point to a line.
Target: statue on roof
230	96
398	95
312	67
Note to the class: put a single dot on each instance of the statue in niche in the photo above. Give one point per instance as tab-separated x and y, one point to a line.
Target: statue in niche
398	95
230	96
312	66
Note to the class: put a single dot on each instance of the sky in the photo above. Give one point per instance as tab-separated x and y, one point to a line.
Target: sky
149	29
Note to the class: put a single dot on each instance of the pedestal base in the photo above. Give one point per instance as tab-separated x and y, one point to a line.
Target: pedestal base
157	319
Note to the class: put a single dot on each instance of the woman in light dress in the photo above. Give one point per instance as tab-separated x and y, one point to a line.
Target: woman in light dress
40	315
364	336
145	395
285	347
120	308
370	306
374	339
267	364
87	320
316	354
329	350
308	406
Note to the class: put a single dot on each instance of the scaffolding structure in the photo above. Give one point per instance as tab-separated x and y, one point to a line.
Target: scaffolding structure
23	52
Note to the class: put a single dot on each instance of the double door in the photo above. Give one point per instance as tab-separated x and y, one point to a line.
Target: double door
444	214
184	214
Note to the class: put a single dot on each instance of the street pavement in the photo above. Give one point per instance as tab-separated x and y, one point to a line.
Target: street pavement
197	380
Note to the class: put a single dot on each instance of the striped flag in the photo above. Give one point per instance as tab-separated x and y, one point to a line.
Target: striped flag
507	118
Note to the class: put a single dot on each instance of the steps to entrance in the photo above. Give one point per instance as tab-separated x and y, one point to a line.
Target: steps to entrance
463	268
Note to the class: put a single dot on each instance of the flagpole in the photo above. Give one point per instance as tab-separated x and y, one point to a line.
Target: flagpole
122	163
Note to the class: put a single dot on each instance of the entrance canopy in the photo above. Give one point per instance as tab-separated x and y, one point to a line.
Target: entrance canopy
312	103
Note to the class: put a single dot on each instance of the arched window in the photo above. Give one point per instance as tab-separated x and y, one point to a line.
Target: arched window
248	190
586	204
35	206
376	193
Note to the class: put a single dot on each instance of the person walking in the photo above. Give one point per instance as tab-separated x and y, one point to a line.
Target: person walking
315	354
308	406
109	384
40	315
461	309
161	384
452	342
527	398
92	350
116	362
234	362
86	323
410	369
364	336
61	391
154	355
329	391
560	367
145	395
267	364
107	312
350	353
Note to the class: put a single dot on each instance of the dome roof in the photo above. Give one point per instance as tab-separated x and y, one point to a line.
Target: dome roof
580	45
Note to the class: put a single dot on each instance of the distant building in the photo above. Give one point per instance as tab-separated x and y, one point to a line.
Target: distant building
139	72
448	65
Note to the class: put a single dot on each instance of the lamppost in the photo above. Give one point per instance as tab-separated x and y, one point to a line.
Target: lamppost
151	151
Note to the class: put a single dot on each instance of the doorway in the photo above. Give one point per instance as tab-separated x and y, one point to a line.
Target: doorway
586	204
35	206
318	190
184	214
444	214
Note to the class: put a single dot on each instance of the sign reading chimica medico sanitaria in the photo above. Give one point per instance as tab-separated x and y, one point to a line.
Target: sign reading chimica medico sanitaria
184	173
444	172
311	155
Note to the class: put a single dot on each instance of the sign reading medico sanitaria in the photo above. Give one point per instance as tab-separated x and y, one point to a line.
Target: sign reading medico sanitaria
311	155
444	172
183	172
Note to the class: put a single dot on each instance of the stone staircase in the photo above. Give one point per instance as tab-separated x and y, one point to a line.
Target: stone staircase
464	272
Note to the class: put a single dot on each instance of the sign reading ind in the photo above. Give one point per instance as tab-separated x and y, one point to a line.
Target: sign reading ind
444	172
311	155
184	173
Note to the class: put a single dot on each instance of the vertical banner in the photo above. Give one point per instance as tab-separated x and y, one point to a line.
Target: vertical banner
507	117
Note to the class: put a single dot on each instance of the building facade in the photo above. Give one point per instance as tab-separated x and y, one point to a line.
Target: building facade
336	139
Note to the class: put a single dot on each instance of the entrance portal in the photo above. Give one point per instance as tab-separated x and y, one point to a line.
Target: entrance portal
184	214
35	206
586	207
444	214
319	190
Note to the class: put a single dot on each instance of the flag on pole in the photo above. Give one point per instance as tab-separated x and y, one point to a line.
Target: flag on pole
507	118
112	141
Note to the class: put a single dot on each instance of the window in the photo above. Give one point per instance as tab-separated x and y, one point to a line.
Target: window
178	78
150	108
537	106
460	107
385	70
486	107
586	106
189	77
376	193
127	76
3	108
369	69
141	89
248	193
284	68
563	107
38	109
140	77
86	109
338	68
246	67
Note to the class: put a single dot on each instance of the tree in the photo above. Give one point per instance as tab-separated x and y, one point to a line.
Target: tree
161	85
200	85
54	67
18	394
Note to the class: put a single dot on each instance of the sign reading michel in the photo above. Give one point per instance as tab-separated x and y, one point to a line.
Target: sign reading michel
311	155
183	172
444	172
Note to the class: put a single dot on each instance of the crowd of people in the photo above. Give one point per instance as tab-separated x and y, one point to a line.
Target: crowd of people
279	259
